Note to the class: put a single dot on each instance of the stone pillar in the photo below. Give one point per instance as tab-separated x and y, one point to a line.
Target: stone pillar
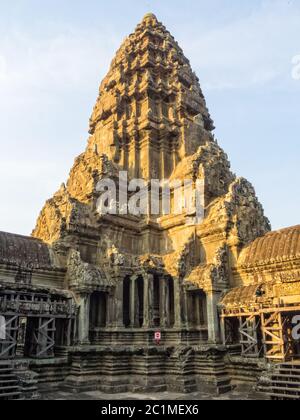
177	303
84	319
133	301
223	331
167	302
163	289
137	303
109	310
197	310
162	161
186	308
118	304
174	159
212	316
148	301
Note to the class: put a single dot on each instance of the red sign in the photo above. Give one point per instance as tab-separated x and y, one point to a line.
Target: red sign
157	336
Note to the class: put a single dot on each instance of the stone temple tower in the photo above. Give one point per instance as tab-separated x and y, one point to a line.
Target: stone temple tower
150	113
84	300
131	275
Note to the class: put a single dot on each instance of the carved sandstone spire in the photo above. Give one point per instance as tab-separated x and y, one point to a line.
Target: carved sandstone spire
150	112
151	119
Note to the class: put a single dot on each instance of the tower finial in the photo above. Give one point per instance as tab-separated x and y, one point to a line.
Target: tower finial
150	16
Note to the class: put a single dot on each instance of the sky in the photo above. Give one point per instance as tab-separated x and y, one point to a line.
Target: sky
54	53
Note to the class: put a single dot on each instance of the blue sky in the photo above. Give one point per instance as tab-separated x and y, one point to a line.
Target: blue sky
54	53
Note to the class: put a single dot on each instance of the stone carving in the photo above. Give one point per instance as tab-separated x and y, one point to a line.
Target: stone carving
219	270
115	257
241	212
155	270
151	262
212	275
211	164
83	276
187	259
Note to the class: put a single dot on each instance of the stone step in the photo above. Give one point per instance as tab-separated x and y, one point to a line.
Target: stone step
8	375
290	372
291	365
287	384
48	375
292	391
286	378
279	396
8	388
6	369
8	381
284	382
10	396
282	397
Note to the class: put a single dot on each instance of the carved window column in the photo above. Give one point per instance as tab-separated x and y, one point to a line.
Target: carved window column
109	309
163	297
167	302
148	301
133	302
118	305
213	299
138	303
223	331
162	161
174	156
177	303
83	319
186	308
198	309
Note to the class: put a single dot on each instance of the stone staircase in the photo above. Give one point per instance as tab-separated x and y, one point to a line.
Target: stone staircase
9	383
284	382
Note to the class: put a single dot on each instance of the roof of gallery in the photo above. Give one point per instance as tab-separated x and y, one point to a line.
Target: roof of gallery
23	251
276	246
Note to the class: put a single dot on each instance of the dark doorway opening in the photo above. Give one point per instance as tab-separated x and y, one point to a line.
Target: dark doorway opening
98	310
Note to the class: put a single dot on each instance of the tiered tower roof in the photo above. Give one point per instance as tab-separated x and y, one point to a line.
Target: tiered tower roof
149	102
151	120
